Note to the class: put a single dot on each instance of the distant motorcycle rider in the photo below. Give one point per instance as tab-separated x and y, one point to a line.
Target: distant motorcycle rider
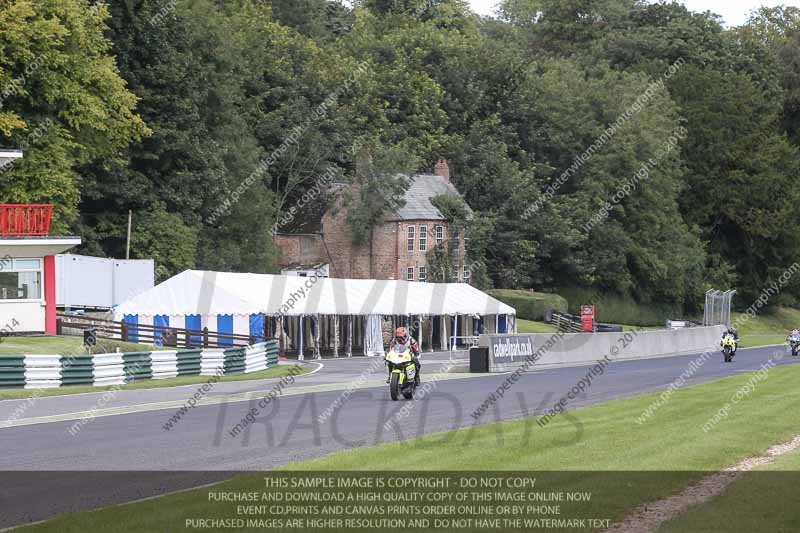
735	335
401	336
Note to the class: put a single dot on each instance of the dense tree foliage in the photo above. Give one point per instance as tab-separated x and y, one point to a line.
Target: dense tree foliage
621	145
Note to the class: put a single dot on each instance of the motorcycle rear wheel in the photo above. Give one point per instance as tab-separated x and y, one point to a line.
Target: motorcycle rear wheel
394	386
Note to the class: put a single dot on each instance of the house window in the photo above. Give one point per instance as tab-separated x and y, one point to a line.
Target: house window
410	274
439	234
423	238
423	274
467	274
456	271
411	231
21	279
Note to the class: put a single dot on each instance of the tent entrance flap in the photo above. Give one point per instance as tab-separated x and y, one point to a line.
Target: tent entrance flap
373	336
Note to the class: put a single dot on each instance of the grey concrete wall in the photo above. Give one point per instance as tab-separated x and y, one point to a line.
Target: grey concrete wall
577	349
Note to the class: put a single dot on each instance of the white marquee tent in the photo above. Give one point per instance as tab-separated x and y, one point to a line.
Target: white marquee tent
309	308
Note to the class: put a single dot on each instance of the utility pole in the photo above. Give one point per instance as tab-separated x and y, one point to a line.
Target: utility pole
128	245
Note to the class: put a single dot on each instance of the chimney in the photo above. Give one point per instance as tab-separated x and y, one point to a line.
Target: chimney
442	169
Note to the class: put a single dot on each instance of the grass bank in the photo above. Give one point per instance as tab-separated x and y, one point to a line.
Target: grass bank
764	500
531	326
605	437
275	372
66	345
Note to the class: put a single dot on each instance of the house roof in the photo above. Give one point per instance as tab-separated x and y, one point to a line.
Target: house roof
418	197
418	206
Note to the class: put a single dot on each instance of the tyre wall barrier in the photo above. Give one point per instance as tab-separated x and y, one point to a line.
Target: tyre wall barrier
48	371
545	350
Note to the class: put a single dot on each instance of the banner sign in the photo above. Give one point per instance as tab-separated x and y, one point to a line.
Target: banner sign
507	350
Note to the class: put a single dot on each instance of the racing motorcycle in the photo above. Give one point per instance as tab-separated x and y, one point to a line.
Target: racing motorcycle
728	347
794	343
403	371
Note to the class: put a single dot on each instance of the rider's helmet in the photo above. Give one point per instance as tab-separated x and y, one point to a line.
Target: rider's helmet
732	331
795	332
401	334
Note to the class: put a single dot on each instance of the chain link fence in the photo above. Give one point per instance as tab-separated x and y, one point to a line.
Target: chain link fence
717	310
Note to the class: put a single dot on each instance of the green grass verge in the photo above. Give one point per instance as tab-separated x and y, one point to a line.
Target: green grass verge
275	372
67	345
603	437
530	326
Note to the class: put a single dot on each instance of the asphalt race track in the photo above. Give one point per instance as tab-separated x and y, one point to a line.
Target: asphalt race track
127	434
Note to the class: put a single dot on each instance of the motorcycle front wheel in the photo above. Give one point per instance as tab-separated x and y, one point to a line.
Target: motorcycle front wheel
394	386
408	393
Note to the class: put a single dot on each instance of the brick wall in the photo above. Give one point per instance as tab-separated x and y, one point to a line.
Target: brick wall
300	249
390	257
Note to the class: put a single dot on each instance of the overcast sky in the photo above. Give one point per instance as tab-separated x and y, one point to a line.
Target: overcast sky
734	12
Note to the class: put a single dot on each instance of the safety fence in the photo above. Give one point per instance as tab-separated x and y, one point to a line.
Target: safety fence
49	371
147	334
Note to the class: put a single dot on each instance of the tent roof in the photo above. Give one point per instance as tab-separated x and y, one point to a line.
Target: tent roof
224	293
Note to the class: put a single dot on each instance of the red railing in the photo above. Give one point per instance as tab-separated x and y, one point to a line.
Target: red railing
23	220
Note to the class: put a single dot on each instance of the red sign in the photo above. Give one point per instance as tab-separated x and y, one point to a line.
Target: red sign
18	220
587	318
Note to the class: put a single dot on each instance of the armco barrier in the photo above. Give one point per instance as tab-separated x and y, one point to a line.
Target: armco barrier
12	371
46	371
509	352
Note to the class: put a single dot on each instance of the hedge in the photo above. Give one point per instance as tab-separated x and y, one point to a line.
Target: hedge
617	309
530	305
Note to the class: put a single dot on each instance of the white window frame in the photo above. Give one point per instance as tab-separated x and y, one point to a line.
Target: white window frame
10	265
411	238
457	272
467	277
439	234
422	274
410	274
423	238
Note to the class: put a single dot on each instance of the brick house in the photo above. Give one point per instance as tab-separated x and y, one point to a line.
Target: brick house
322	240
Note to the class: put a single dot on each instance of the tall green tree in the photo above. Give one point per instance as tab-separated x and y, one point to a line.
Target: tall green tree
62	98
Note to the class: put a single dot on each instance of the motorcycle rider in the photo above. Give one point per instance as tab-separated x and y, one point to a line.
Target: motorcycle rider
735	334
793	339
401	336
